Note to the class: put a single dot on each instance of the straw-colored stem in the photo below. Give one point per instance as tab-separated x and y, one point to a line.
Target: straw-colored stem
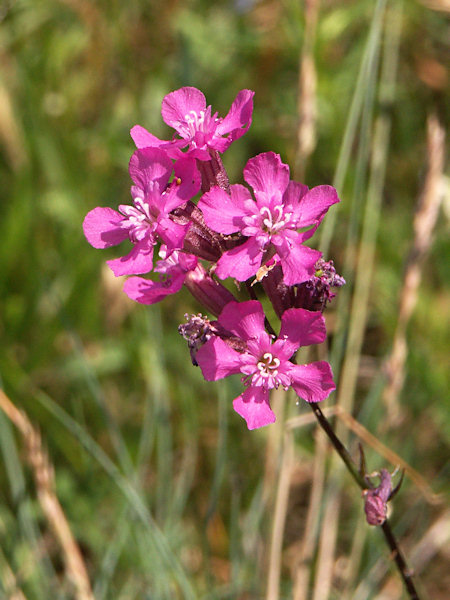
434	541
334	507
351	127
281	502
424	222
355	556
307	546
9	581
360	304
383	450
11	134
307	113
273	450
44	479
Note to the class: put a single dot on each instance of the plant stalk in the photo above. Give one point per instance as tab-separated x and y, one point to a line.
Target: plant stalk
404	570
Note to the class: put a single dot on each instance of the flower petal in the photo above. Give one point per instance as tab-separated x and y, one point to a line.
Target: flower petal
303	327
266	173
300	327
178	104
253	405
186	262
243	319
138	261
217	360
313	382
143	138
102	228
186	170
224	213
239	117
146	291
314	204
149	165
293	195
241	262
297	261
172	234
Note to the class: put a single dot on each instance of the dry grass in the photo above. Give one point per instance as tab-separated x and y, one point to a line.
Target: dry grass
43	474
425	218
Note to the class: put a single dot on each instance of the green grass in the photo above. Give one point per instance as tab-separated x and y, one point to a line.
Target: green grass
159	479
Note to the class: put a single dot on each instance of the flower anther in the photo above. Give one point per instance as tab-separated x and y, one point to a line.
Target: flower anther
138	222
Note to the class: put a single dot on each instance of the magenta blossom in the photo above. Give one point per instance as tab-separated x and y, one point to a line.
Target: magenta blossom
148	220
172	268
265	362
200	131
270	222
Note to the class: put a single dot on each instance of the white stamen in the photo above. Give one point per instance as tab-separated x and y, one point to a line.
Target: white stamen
138	220
274	221
268	366
274	361
195	121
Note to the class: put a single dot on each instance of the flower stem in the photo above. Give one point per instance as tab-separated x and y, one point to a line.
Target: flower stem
213	173
400	561
339	446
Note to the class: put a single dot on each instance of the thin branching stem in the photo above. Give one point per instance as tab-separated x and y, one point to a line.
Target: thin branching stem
397	555
400	561
339	446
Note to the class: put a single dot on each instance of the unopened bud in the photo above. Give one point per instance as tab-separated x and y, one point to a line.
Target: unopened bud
375	502
196	331
206	290
316	293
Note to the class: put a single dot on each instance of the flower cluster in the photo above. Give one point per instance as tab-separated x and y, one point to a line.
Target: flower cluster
254	236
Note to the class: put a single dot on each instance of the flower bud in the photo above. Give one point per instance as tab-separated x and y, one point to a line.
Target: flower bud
196	331
313	294
375	500
209	292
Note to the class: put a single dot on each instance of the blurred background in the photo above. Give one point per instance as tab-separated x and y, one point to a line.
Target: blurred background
126	475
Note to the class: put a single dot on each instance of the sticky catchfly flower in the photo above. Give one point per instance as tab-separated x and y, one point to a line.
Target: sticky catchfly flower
270	222
199	129
263	360
148	220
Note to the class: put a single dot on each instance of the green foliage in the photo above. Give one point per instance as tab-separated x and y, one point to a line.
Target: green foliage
162	484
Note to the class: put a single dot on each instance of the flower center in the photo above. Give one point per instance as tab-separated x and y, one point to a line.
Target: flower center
195	121
266	374
273	220
200	126
268	365
138	219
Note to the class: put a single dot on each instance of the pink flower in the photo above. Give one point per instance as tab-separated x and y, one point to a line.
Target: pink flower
200	131
148	220
269	222
173	269
265	362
